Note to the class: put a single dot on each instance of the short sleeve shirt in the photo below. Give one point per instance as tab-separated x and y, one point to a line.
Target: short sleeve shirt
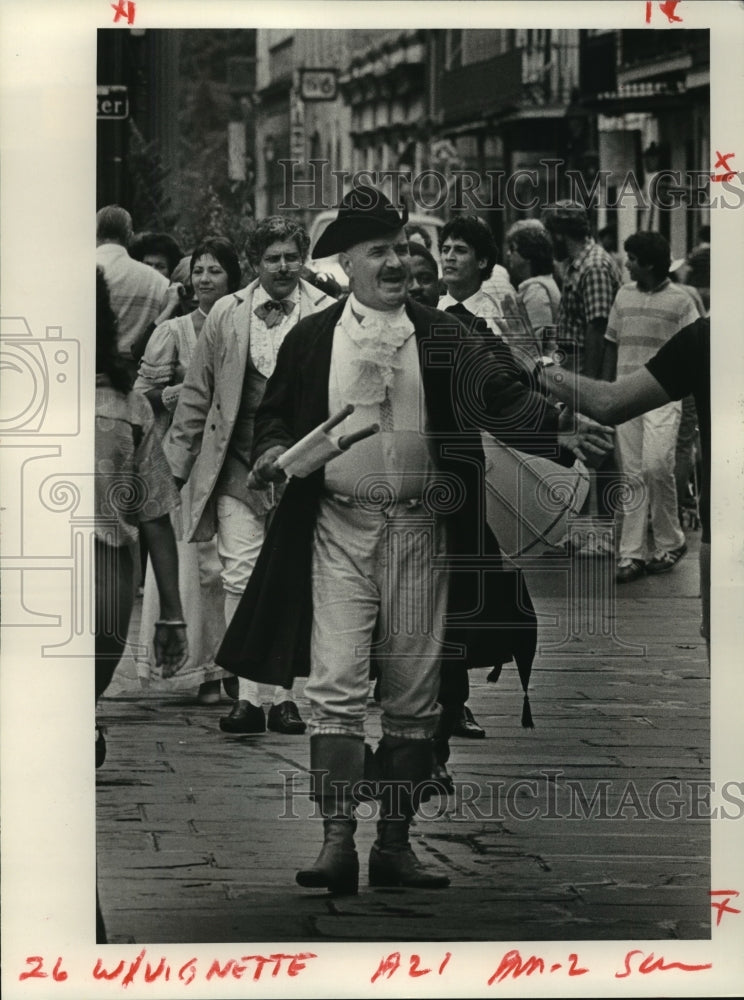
643	321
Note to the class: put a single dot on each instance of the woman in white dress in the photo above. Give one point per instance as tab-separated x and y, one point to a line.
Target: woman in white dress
215	271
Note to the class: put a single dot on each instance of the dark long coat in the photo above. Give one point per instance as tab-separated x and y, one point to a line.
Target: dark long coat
469	382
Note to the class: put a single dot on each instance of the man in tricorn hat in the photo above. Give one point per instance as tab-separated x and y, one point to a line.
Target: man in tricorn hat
383	554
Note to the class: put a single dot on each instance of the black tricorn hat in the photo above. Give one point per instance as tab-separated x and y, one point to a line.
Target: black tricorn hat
364	214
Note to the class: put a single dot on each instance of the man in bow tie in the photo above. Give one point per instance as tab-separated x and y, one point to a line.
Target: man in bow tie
211	436
383	554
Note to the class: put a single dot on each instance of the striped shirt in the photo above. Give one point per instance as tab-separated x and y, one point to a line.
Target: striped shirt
642	322
137	293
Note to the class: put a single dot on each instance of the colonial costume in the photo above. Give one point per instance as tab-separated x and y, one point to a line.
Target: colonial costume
383	555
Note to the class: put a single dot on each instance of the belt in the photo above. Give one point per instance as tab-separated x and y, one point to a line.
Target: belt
379	503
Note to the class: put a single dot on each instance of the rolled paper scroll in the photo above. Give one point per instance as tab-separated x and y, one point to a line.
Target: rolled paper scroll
320	446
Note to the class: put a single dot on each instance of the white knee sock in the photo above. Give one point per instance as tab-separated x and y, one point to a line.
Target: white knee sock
248	691
231	603
281	695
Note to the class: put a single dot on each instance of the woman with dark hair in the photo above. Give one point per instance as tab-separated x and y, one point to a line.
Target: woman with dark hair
215	271
158	250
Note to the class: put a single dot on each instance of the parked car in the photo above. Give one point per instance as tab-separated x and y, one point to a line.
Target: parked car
331	265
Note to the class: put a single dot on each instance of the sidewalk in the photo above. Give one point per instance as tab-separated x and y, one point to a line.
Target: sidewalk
557	833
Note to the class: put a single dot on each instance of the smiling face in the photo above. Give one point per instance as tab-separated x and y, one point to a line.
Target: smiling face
378	271
279	269
209	281
462	269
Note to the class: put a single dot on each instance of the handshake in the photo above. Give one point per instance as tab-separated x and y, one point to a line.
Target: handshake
588	440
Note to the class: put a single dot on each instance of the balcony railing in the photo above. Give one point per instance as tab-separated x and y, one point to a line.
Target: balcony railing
640	47
515	79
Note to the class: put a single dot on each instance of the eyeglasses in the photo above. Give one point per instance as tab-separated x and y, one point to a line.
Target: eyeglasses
277	263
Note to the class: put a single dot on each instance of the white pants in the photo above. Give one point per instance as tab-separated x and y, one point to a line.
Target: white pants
646	448
376	592
240	535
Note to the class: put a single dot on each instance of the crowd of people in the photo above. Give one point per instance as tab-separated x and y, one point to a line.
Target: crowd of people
207	376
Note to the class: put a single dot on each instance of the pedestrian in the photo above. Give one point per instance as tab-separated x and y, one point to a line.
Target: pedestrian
467	251
161	252
453	690
686	459
529	258
209	441
424	278
698	266
589	288
134	492
370	556
647	312
679	368
157	250
214	272
139	294
590	283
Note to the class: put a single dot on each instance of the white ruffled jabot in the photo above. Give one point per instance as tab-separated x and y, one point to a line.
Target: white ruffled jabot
377	337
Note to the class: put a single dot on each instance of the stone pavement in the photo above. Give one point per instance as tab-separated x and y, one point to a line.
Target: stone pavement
563	832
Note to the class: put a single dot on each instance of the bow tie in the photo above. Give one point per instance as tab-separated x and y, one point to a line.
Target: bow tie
273	311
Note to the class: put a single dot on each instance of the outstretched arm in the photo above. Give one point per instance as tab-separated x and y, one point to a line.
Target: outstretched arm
607	402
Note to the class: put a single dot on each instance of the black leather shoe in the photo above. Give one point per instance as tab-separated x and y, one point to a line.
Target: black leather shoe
286	719
244	718
467	726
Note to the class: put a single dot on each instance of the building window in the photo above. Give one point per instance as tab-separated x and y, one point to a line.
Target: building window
281	59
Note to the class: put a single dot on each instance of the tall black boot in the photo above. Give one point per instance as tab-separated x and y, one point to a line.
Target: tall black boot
405	768
336	766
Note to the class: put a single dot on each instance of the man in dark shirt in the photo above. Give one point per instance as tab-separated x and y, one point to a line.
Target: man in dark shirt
680	368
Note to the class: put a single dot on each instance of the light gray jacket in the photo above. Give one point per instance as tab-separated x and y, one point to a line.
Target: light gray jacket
203	422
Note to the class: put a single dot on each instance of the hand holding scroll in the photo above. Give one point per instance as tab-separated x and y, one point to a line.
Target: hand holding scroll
308	454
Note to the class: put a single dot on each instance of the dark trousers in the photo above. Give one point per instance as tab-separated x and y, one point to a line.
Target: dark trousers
114	600
454	691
